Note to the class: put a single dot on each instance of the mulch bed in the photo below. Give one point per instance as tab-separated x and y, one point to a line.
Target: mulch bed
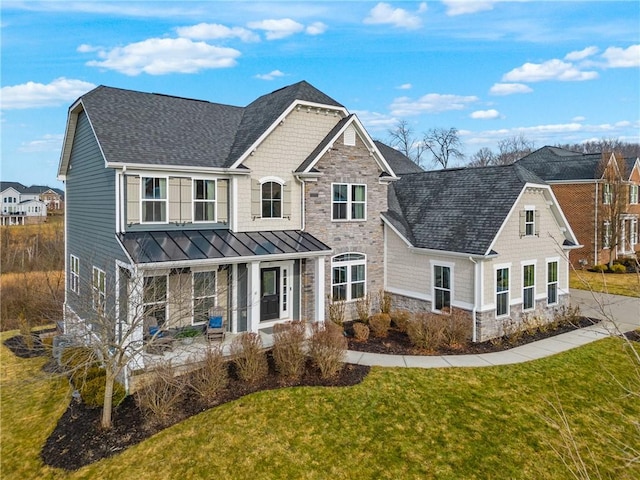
78	439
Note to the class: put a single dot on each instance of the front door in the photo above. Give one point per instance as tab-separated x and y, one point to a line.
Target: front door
269	293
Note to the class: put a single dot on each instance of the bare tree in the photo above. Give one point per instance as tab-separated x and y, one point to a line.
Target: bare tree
513	148
482	158
629	150
402	138
444	144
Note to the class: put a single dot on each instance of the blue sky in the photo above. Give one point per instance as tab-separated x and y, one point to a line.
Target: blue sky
553	71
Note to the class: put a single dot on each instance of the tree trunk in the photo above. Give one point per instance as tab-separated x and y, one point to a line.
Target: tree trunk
107	405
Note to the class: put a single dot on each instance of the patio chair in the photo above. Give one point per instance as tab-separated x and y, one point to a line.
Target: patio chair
157	341
215	324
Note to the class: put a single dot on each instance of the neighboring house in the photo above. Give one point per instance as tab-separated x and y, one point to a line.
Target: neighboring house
52	197
490	241
587	186
21	205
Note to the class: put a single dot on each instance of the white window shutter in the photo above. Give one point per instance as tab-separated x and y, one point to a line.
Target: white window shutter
133	199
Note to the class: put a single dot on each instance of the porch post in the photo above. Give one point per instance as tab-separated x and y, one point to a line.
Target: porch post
135	318
319	289
234	298
254	297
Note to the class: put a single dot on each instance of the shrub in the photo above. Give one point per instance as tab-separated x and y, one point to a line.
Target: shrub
360	332
618	268
458	329
249	357
82	375
600	268
513	331
384	301
160	396
212	377
92	392
336	311
379	324
400	319
77	362
328	348
567	315
426	330
25	330
288	349
363	308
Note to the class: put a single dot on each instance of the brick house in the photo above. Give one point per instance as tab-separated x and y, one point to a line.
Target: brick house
585	186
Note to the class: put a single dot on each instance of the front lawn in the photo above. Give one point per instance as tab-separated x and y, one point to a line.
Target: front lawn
399	423
627	284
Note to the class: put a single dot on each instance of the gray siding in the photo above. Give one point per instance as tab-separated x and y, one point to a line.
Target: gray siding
90	191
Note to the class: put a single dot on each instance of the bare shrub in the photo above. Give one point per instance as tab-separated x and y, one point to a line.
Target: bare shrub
380	324
288	349
159	397
513	331
458	329
328	348
363	308
336	311
568	315
25	330
212	377
384	301
426	330
360	332
400	319
249	357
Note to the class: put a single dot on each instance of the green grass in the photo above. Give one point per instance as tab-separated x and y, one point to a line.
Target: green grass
399	423
627	284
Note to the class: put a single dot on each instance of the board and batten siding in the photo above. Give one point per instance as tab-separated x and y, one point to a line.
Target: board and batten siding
514	249
90	216
410	274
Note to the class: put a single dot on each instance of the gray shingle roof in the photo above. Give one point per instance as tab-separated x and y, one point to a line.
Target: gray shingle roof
456	210
399	163
28	190
147	128
557	164
15	185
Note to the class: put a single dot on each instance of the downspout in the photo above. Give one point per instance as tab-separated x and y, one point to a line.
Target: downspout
475	297
595	234
302	205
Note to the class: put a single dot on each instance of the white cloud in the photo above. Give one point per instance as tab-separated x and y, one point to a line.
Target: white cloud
374	121
36	95
581	54
276	29
485	114
316	28
622	57
509	88
430	103
385	14
405	86
84	48
215	31
48	143
463	7
579	118
161	56
550	70
271	75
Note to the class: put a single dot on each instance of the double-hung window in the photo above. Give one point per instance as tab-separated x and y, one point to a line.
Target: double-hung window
442	288
349	201
606	235
348	276
204	200
204	294
606	194
633	234
552	283
528	286
502	291
154	298
99	289
74	274
633	194
271	197
529	222
154	200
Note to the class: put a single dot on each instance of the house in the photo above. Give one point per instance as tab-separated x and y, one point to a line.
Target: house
21	205
599	194
491	242
52	197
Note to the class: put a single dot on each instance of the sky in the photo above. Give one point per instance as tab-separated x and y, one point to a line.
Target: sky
552	71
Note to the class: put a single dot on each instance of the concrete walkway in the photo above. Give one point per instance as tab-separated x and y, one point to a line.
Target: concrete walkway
625	311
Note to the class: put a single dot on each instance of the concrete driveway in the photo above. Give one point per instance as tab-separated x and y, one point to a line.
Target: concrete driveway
624	311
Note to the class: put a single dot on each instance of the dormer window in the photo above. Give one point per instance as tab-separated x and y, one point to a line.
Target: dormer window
204	200
154	200
529	222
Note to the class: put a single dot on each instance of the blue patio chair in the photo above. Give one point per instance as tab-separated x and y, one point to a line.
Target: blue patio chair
215	324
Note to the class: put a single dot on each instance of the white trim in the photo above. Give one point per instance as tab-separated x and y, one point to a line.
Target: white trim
410	294
142	199
523	264
497	267
184	170
348	280
451	266
72	274
233	208
350	202
282	183
194	200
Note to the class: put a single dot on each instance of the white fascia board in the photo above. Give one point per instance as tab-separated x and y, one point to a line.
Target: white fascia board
69	134
139	169
431	251
572	182
557	211
508	217
395	230
274	125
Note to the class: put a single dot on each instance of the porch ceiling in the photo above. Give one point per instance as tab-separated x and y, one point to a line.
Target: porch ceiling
193	245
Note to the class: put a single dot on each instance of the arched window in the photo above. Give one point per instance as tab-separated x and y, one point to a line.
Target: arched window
271	199
348	276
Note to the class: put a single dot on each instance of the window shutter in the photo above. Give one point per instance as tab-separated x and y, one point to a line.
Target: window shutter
255	199
186	210
223	202
537	223
286	200
522	223
174	200
133	199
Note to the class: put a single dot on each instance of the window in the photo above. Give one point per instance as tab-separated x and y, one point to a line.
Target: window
99	290
633	234
349	201
348	276
154	298
442	288
606	235
204	295
271	200
502	292
528	287
633	194
154	200
204	200
529	222
74	274
606	193
552	283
